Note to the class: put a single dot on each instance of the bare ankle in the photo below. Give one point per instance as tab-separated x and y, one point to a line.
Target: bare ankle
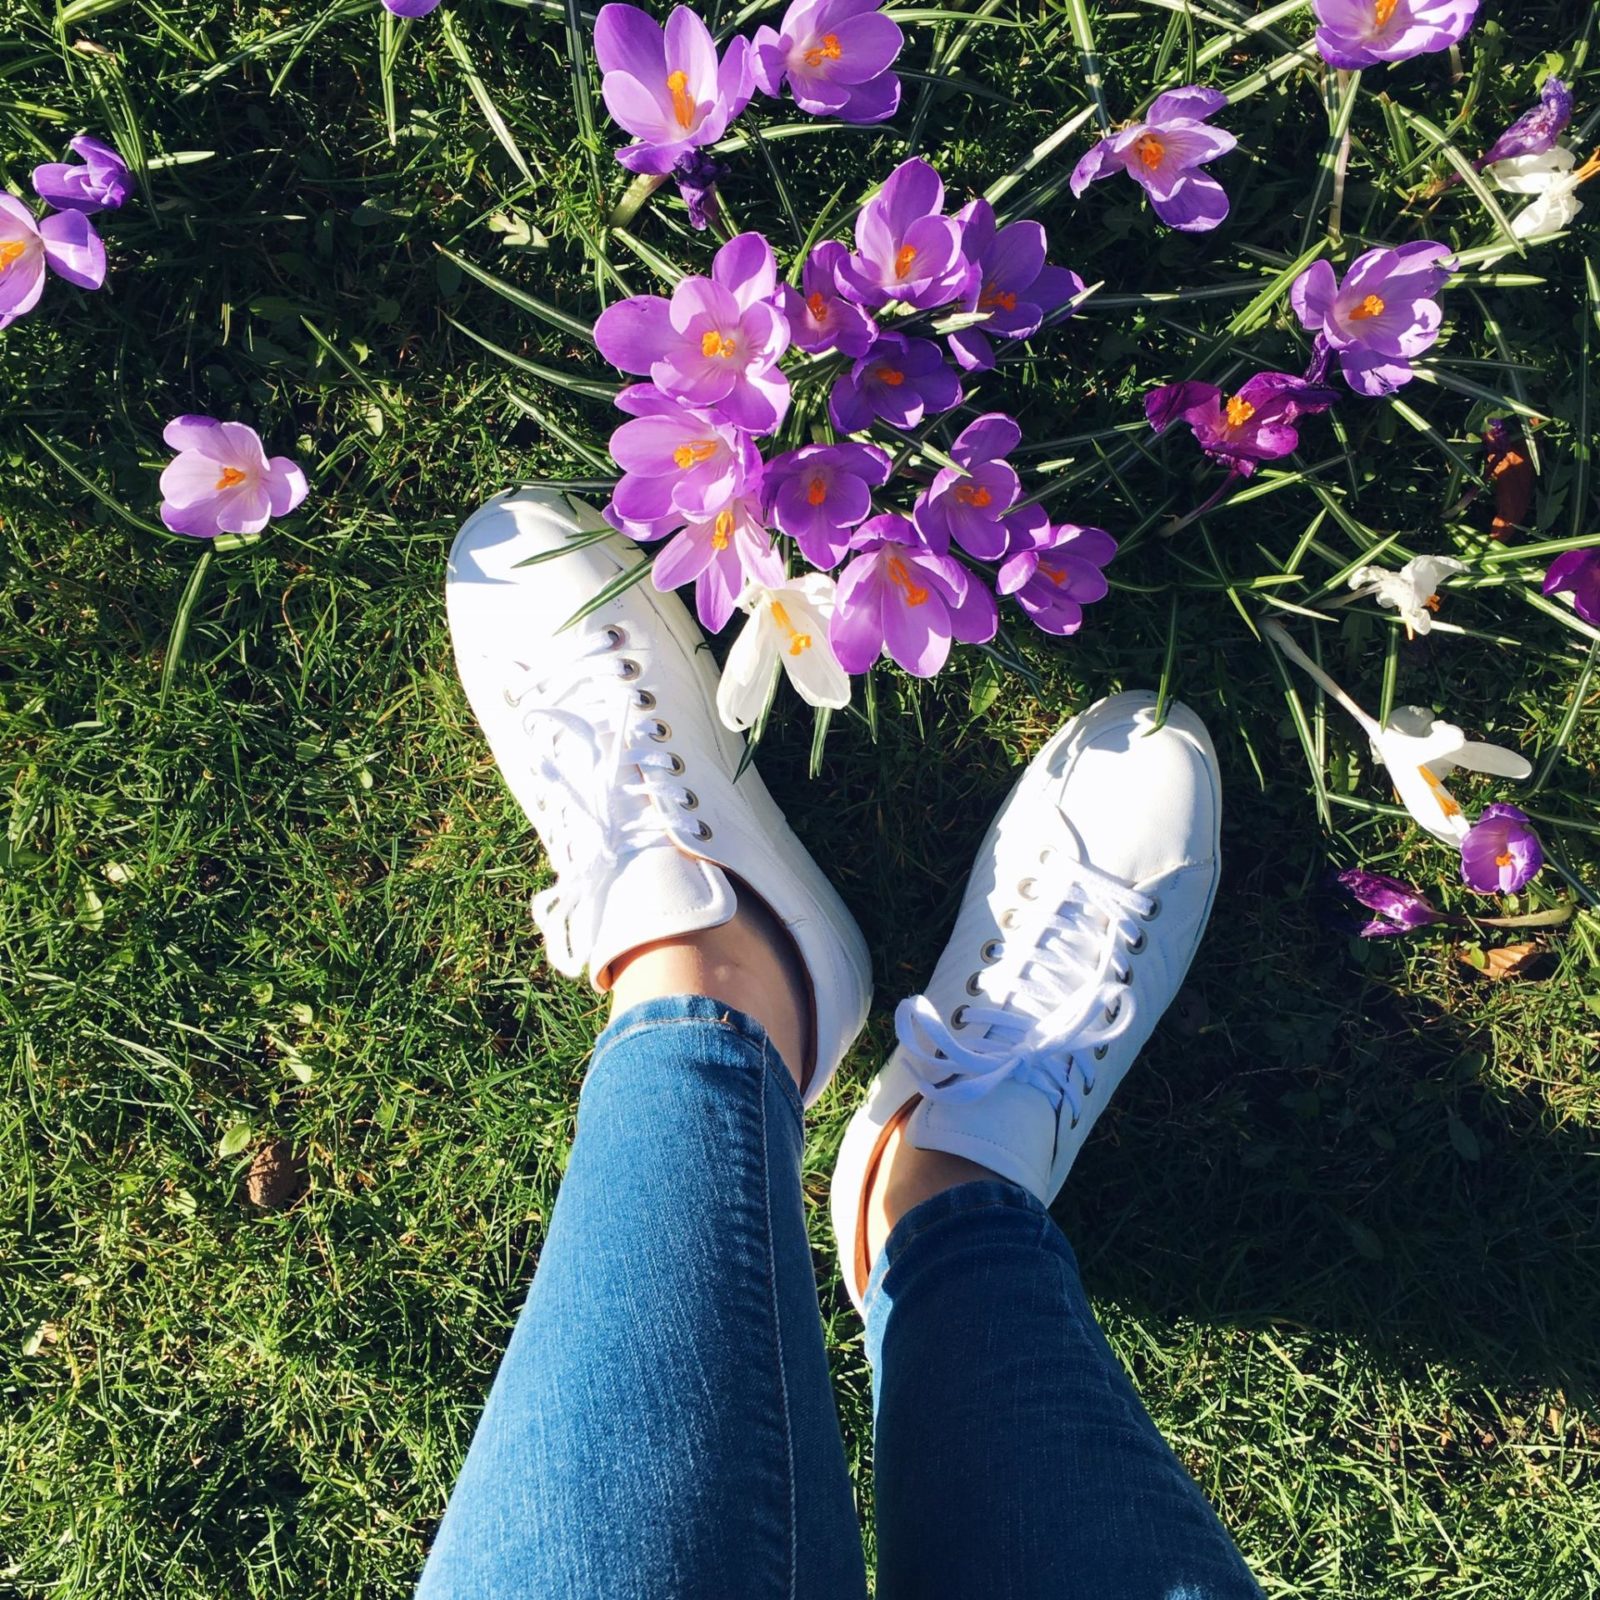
905	1177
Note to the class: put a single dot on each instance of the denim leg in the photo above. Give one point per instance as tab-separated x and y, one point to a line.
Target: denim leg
662	1425
1014	1460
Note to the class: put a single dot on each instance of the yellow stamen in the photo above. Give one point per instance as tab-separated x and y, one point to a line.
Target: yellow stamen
682	105
1590	169
817	490
713	343
1446	804
904	256
231	478
1151	150
686	455
1239	412
900	576
973	495
722	530
11	250
1372	306
992	297
828	50
892	376
817	306
798	642
1383	11
1503	860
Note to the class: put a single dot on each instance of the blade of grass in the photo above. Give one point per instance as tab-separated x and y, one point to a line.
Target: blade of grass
475	84
585	388
1088	61
179	631
520	298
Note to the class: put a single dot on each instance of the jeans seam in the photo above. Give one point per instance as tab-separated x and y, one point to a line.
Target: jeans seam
777	1336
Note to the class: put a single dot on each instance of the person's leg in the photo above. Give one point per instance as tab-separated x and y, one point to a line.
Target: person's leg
1013	1458
662	1424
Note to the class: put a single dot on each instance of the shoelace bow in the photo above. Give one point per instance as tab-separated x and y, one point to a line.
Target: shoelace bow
1069	999
590	723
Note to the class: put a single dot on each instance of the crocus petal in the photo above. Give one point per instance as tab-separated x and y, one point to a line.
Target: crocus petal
874	101
1095	163
640	110
745	267
286	485
1192	103
1196	205
190	478
689	48
992	435
746	676
916	636
634	334
73	249
1312	294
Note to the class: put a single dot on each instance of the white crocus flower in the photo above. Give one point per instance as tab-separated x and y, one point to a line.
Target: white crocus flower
1413	591
788	623
1552	179
1419	751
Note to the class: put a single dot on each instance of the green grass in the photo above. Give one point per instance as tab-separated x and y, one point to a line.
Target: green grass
261	880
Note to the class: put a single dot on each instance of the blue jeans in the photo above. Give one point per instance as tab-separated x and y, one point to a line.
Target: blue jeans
662	1424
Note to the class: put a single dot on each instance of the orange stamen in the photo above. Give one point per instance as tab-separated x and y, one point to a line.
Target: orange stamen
798	642
828	50
1239	412
904	256
892	376
817	490
992	297
1151	150
973	494
682	105
686	455
1503	860
717	344
817	306
1590	169
1446	803
1372	306
1057	575
722	530
1383	11
231	478
11	250
900	576
1432	602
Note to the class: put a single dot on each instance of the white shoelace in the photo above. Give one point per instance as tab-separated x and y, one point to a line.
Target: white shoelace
590	722
1065	970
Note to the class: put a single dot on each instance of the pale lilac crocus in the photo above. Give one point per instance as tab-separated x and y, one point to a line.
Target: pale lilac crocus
1500	851
1363	33
1164	154
818	493
1241	430
898	598
1400	908
1381	315
100	182
715	343
906	249
835	56
1577	572
720	554
1535	131
222	481
666	86
821	316
678	461
899	381
66	243
1056	573
968	503
1010	284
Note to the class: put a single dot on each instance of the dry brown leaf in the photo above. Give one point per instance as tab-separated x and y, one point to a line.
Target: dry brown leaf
1503	960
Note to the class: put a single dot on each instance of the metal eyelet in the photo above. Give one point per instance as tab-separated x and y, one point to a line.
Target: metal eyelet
690	801
1008	917
628	669
701	831
677	769
617	636
1125	977
1101	1051
1073	1124
1028	889
512	700
1088	1086
1046	853
958	1017
1136	945
663	732
644	700
1113	1011
974	988
990	953
1152	913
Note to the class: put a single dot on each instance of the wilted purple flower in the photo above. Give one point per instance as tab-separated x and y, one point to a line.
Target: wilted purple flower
697	175
968	503
1163	155
900	380
1255	424
1054	572
899	598
819	492
1361	33
1010	283
1534	131
65	242
678	461
906	249
721	554
665	86
715	343
221	480
1577	572
101	183
1400	908
1381	315
836	55
820	314
1500	852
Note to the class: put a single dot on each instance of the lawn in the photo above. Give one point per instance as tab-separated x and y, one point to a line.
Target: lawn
264	898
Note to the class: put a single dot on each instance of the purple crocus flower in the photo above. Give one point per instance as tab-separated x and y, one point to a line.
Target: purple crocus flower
1383	313
900	599
1255	424
411	8
1010	283
1055	571
65	242
819	492
715	343
1500	852
720	554
900	380
968	503
101	183
1400	908
1536	131
1577	572
906	249
678	461
221	480
665	86
836	56
1361	33
821	316
1163	155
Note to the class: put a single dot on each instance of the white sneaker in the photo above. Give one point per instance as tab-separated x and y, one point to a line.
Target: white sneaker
608	736
1083	912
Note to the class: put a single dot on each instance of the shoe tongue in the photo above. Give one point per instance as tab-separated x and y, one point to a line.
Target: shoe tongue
1011	1131
660	893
